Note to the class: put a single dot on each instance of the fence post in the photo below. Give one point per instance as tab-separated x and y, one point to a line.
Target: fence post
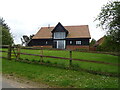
41	54
9	52
18	52
70	58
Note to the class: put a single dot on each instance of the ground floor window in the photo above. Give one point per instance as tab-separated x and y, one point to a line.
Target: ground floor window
46	42
78	42
70	42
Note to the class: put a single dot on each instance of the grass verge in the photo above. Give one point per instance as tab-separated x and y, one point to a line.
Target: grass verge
57	77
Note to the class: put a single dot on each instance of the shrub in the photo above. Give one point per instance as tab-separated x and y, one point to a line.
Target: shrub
55	63
48	61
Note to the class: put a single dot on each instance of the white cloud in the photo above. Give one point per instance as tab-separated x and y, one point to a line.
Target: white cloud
26	16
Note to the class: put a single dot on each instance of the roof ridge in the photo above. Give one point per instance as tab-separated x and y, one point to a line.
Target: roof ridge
66	26
75	25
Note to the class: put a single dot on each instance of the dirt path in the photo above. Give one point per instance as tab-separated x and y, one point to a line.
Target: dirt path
10	81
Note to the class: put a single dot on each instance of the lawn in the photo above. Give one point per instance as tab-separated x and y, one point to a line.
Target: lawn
57	77
77	55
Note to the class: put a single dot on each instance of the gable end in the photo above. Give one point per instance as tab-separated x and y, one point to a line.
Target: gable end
59	28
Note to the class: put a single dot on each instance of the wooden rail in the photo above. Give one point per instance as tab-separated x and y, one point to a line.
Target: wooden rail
4	51
18	53
71	59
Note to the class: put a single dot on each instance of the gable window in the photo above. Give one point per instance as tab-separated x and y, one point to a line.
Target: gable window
70	42
59	35
78	42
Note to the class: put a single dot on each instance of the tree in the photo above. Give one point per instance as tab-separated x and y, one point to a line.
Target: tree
5	34
93	41
26	39
109	20
107	45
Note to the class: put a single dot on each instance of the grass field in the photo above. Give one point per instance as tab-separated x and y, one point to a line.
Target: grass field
57	77
77	55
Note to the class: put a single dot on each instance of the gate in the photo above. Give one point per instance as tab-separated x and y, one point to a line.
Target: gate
14	52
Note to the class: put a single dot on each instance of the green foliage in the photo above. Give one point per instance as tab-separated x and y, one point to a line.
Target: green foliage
93	41
48	62
5	34
109	19
66	83
108	45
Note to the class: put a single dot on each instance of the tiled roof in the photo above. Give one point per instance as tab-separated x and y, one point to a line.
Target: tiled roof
80	31
100	41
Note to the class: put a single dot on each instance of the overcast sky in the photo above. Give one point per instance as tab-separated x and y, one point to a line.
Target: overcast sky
26	17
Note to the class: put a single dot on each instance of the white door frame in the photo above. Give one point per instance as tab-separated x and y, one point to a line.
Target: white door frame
63	43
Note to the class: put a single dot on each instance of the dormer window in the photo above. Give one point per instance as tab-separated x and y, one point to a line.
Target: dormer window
59	32
59	35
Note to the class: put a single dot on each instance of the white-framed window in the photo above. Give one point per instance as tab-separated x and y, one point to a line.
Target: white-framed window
70	42
78	42
59	35
61	44
46	42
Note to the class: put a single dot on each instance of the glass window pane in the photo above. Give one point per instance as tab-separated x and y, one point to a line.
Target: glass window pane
59	35
78	42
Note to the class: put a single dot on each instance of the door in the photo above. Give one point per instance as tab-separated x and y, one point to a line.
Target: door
61	44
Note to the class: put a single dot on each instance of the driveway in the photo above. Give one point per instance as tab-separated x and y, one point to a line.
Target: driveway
13	82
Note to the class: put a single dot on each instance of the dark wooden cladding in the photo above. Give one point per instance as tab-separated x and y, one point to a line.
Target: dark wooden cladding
59	28
84	41
42	42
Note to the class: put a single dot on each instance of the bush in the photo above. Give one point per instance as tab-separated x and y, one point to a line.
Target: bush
108	45
55	63
48	61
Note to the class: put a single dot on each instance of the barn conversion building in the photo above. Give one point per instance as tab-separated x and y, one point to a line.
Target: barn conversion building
62	37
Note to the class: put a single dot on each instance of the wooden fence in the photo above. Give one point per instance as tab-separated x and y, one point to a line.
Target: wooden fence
17	53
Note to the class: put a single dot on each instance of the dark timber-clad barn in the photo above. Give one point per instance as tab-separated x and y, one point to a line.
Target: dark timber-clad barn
62	37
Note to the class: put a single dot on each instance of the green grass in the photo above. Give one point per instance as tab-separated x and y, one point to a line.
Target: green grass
77	55
57	77
0	65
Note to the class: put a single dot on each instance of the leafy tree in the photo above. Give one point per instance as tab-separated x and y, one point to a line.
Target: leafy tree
109	20
108	45
5	34
26	39
93	41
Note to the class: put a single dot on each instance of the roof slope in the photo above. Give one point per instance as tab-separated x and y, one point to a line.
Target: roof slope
81	31
100	41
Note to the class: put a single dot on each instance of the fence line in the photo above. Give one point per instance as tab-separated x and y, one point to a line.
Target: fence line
4	51
39	48
70	59
18	53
